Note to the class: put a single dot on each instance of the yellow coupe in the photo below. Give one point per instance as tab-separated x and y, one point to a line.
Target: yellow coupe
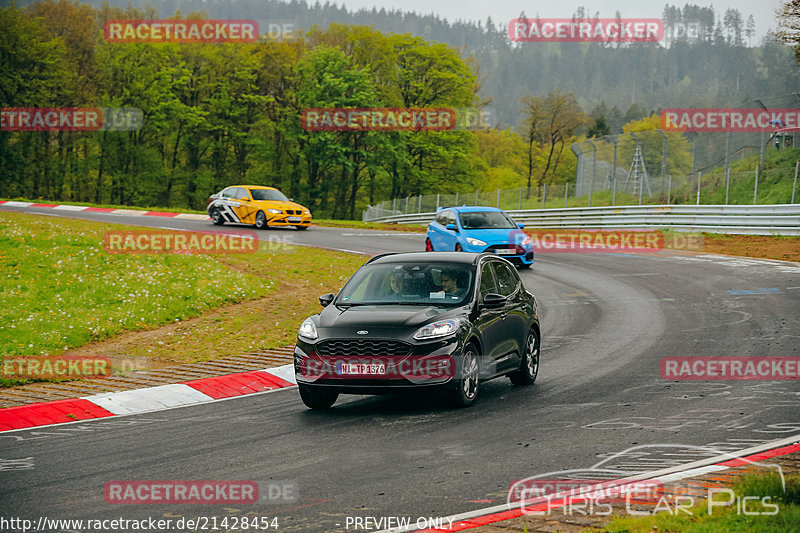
257	205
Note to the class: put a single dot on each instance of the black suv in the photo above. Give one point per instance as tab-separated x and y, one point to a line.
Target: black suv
411	321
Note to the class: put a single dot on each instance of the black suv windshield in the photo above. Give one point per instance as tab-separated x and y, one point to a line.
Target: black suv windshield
414	284
268	194
485	220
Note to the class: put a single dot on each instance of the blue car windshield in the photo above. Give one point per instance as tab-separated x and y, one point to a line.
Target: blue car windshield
437	284
485	220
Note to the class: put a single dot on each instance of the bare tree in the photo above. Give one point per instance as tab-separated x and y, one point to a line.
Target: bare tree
563	116
530	129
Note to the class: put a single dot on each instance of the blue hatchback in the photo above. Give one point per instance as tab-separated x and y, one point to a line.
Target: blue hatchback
479	229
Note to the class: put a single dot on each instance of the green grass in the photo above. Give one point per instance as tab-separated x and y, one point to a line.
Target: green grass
775	181
699	520
62	291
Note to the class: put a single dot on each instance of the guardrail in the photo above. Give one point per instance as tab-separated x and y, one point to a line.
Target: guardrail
775	219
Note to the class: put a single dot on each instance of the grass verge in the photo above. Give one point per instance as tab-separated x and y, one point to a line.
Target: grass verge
62	292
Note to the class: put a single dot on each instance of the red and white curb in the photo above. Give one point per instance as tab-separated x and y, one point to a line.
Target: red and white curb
146	400
107	210
499	513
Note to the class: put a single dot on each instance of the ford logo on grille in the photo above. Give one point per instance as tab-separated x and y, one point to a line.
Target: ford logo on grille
362	332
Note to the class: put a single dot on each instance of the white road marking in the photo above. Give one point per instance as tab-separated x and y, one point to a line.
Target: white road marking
392	234
192	216
127	212
65	207
285	372
149	399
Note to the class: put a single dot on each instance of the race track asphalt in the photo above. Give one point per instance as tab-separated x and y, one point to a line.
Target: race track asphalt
607	320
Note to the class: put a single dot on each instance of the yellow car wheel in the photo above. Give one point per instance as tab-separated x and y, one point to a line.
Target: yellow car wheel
261	220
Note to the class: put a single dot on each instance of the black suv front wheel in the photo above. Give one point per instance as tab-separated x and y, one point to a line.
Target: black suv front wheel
316	398
467	391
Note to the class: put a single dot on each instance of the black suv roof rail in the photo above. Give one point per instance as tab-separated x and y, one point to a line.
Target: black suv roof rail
371	259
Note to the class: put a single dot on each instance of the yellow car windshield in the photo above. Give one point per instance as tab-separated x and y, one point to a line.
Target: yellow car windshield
268	194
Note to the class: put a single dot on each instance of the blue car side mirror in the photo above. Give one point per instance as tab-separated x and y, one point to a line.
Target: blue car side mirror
452	227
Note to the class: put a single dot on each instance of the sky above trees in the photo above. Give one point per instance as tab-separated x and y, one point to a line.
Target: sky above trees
763	11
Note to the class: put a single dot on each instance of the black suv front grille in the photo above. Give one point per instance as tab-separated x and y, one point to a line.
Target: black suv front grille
373	347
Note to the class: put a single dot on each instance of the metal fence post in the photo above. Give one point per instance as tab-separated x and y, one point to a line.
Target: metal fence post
594	169
520	198
394	204
663	161
641	188
699	180
794	186
669	188
419	204
727	182
755	189
727	165
476	196
566	194
498	198
544	194
614	175
437	201
456	197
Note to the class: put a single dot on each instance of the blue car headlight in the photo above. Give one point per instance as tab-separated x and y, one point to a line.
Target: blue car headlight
434	330
475	242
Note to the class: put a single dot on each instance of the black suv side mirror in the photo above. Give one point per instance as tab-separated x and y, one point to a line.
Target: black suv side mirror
492	300
326	299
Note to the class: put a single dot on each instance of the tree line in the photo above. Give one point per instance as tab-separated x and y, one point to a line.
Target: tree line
220	114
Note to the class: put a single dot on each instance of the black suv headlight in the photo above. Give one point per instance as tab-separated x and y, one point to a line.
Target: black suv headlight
442	328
